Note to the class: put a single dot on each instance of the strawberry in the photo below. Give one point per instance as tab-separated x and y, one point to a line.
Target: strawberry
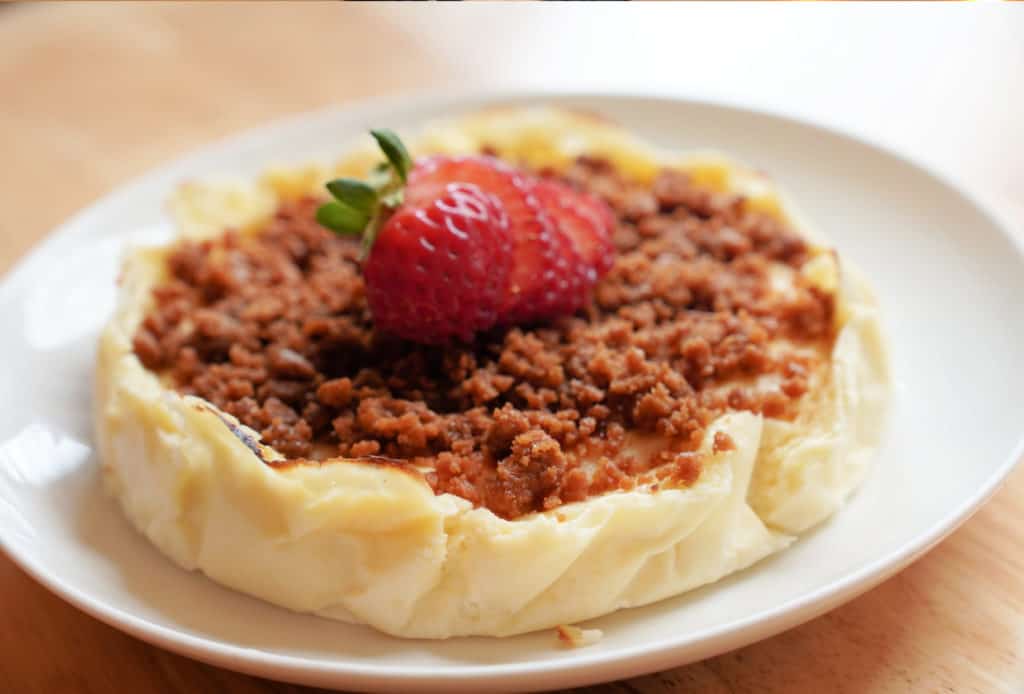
585	219
456	245
547	274
546	277
440	270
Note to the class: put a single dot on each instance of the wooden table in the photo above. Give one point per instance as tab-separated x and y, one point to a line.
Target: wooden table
90	96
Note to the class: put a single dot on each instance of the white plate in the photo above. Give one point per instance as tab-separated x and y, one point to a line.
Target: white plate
950	278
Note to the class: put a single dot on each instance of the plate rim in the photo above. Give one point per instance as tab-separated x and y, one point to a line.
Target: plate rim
585	667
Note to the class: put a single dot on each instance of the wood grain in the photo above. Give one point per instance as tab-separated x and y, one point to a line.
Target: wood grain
93	95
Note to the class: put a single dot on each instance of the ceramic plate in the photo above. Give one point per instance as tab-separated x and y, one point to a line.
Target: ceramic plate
950	278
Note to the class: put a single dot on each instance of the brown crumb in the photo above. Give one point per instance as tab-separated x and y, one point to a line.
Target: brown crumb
723	442
573	637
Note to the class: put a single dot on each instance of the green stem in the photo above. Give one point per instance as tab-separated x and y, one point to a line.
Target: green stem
362	207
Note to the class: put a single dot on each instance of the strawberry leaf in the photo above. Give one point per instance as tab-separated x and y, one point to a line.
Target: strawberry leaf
395	151
342	219
355	194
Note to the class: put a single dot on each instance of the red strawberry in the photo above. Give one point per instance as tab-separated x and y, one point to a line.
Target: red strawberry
583	218
459	244
547	273
440	270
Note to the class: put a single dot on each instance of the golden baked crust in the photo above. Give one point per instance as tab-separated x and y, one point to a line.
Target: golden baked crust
375	545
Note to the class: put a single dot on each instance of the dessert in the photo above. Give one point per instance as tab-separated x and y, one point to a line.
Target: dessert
629	373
